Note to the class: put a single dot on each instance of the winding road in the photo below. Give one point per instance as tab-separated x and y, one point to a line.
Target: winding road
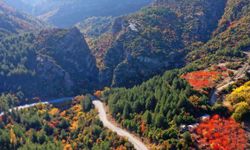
102	115
54	101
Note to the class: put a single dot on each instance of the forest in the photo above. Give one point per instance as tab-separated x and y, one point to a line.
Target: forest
48	127
175	74
157	108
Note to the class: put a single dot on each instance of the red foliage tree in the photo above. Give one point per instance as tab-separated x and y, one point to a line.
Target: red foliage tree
220	134
202	79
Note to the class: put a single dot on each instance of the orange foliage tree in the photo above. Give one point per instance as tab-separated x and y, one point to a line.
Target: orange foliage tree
143	127
220	134
98	93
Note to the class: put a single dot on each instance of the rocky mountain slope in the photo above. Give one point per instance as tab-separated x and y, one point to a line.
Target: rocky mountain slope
146	43
52	63
221	44
65	13
232	33
131	49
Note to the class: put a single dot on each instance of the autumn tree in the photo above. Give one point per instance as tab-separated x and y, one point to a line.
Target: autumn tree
219	133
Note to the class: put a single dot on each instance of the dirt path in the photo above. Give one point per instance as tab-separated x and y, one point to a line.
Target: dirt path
103	117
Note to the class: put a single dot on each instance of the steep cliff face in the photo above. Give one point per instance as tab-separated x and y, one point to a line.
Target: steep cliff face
52	63
69	49
156	39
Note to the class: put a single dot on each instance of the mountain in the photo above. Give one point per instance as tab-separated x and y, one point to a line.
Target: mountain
176	75
139	46
66	13
52	63
33	56
12	21
212	36
165	35
231	35
93	27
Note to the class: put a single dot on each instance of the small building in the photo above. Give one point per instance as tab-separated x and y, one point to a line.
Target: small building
192	127
183	128
205	117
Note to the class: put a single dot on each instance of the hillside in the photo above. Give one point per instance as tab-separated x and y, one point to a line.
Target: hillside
175	74
66	13
12	21
159	108
52	63
168	34
168	113
139	46
231	36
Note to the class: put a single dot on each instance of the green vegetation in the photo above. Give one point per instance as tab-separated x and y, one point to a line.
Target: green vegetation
156	39
45	127
128	50
39	64
8	101
156	108
230	38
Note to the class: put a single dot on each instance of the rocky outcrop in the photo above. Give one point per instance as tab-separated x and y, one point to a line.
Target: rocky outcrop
69	50
53	63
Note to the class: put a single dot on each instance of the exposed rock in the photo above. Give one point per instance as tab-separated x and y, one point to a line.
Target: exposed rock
59	63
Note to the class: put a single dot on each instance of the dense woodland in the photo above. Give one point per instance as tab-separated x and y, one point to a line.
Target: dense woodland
159	63
37	65
157	108
46	127
153	40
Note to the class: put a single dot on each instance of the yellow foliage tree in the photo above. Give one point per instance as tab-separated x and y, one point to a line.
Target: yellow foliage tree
54	111
239	101
98	93
13	139
240	94
67	147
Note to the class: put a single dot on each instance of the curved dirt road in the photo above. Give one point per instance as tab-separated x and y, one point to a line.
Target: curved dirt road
103	117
